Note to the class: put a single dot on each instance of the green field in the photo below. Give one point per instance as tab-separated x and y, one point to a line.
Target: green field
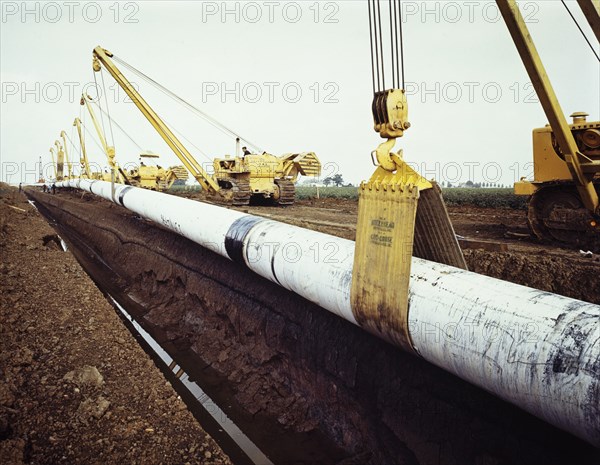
455	196
309	192
178	189
494	198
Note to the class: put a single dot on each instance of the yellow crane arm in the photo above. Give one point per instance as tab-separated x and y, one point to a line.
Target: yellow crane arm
576	161
591	11
85	164
108	151
102	56
119	174
60	161
63	135
53	162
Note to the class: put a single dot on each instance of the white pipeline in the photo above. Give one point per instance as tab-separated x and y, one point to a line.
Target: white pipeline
532	348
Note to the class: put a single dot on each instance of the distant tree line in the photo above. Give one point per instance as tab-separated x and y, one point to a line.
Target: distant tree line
476	185
336	180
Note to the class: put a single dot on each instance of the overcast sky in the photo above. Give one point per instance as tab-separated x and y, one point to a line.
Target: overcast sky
291	77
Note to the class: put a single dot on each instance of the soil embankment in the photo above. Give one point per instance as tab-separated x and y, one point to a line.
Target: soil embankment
75	385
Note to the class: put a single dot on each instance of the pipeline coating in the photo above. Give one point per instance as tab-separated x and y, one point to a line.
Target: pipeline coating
234	240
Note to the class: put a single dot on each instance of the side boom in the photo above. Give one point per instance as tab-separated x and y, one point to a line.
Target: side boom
102	56
579	165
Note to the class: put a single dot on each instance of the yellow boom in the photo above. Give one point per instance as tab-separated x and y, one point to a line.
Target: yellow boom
116	173
102	58
63	135
85	164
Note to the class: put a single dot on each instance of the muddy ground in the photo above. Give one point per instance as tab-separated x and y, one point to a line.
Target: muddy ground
306	386
75	386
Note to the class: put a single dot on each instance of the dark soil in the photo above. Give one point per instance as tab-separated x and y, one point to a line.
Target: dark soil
75	386
305	385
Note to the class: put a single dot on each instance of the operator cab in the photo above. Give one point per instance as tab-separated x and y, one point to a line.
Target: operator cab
149	159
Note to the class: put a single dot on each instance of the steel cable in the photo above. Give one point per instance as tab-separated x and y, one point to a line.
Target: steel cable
217	124
396	45
581	30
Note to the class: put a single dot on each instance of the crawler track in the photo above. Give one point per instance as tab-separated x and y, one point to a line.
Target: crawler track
287	192
240	190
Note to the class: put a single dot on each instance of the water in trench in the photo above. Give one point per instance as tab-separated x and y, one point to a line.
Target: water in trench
229	436
199	401
281	444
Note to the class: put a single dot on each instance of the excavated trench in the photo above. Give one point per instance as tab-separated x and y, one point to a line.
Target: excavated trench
304	385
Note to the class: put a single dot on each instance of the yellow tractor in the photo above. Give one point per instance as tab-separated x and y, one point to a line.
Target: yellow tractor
235	179
150	175
565	191
264	176
560	209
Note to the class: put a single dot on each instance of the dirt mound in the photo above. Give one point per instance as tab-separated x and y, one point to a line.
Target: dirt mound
571	276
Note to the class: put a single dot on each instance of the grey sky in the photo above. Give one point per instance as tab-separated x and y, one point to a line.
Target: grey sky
460	52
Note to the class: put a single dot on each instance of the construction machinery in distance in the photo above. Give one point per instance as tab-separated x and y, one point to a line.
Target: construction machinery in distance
63	136
263	175
237	179
85	170
116	173
565	188
148	175
55	164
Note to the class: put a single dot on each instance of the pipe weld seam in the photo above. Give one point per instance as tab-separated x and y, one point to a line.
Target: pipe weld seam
122	194
236	236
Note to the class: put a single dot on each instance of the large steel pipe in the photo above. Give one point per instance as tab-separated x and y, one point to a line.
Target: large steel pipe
535	349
